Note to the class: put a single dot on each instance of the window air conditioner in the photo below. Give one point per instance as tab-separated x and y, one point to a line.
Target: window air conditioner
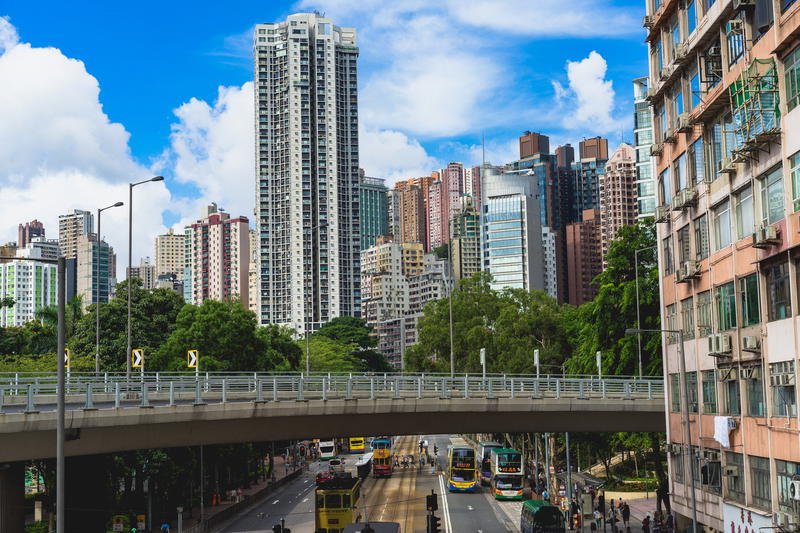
794	489
726	166
765	237
731	471
647	21
751	343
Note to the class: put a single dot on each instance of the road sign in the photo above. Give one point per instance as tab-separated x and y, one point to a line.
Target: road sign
552	469
140	521
118	523
67	356
193	358
137	358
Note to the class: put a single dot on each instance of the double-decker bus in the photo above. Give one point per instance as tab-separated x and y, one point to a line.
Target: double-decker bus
486	460
336	503
382	457
507	474
356	444
327	449
463	468
539	516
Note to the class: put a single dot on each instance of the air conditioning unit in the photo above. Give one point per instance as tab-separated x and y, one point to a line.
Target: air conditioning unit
684	199
766	236
680	51
780	519
662	213
719	344
794	490
781	380
690	269
734	27
665	73
728	373
671	135
683	123
712	456
656	148
739	5
751	343
730	471
647	21
724	343
749	372
726	166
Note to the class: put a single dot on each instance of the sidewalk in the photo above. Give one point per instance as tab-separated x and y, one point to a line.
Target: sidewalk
281	472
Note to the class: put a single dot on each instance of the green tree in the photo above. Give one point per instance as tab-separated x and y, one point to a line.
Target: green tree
356	332
601	323
442	251
329	355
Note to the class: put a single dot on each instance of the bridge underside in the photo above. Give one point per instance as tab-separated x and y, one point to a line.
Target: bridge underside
31	436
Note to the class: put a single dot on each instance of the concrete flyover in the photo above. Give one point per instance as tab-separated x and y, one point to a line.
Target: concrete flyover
164	410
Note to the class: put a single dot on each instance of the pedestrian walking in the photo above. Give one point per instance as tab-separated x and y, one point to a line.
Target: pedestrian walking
165	527
646	524
626	514
546	495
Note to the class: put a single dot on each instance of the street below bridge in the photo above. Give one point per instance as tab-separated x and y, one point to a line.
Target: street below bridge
399	498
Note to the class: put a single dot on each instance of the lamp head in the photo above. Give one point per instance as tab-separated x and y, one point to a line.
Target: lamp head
118	204
158	178
633	331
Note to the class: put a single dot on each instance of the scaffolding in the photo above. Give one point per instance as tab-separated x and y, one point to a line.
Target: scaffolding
754	102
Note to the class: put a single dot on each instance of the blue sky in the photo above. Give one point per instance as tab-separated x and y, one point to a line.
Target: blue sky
174	94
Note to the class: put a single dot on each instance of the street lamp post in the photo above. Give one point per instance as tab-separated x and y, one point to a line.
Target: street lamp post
684	409
97	291
638	321
130	253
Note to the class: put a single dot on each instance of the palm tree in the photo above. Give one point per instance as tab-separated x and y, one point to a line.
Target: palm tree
73	312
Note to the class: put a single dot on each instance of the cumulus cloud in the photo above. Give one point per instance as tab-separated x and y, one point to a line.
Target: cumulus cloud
59	150
392	155
589	98
212	147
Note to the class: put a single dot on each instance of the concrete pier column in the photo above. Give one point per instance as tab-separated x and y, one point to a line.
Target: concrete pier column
12	497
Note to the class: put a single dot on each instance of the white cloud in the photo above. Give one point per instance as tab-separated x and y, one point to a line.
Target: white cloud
589	100
213	149
8	34
59	151
392	155
547	18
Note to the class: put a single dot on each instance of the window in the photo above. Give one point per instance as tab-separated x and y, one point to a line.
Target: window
701	237
675	392
756	404
704	313
696	162
748	300
709	392
759	481
791	67
733	403
782	381
687	317
712	476
772	207
664	187
675	31
794	165
726	306
735	37
678	467
680	172
659	55
722	225
691	391
694	87
672	319
677	102
684	245
669	266
786	470
691	17
745	223
735	485
778	303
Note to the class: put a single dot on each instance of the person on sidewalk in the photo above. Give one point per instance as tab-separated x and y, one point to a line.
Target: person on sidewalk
646	524
165	527
625	510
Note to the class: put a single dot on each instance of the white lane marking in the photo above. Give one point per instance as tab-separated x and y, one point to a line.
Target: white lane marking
305	500
470	508
276	501
445	506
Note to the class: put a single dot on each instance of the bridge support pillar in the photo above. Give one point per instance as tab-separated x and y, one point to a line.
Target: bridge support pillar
12	497
85	493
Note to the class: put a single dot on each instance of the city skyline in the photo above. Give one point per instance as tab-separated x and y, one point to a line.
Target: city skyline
196	137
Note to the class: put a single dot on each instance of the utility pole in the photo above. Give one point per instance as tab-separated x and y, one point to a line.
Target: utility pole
60	464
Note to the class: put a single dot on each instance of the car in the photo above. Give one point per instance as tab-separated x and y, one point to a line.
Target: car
324	476
336	465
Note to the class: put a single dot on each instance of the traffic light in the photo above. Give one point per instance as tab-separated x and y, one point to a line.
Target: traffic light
431	502
434	523
435	450
601	504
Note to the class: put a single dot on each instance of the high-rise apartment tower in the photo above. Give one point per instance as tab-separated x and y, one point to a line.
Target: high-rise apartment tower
307	182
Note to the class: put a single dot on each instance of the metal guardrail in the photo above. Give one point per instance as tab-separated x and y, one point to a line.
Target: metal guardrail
35	393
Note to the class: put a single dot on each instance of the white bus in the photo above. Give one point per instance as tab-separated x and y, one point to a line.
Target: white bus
327	449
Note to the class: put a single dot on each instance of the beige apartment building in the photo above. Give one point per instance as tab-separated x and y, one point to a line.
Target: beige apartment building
70	228
618	200
169	249
724	86
385	269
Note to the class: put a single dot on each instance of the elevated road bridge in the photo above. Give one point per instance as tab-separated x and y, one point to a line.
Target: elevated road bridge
106	413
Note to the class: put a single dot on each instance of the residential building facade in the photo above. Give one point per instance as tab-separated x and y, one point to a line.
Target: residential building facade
643	140
465	246
169	249
218	257
618	199
374	210
584	257
26	232
32	284
70	228
96	265
724	89
307	179
145	272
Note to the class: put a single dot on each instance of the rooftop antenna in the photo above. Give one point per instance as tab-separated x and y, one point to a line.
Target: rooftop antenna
483	149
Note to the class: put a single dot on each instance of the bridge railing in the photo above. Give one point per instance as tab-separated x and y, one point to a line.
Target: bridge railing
34	393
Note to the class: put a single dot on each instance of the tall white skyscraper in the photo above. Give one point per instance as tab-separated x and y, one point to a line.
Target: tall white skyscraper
307	190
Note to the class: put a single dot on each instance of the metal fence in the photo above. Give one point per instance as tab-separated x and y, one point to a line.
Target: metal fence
37	392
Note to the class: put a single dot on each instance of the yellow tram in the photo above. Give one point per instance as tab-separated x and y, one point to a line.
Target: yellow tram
336	503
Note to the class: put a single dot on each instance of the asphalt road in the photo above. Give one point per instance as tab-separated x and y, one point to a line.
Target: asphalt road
399	498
